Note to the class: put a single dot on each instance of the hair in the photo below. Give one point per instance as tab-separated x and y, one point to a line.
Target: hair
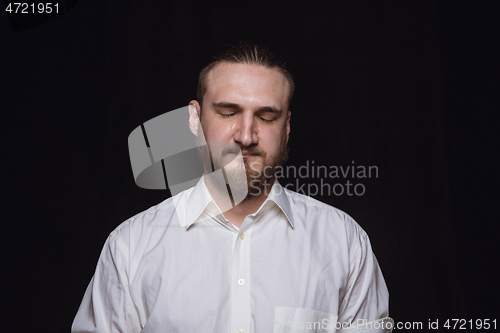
245	53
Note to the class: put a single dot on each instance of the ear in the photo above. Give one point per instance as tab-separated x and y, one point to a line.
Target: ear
194	117
287	125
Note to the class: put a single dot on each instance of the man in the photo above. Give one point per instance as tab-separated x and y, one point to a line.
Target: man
277	261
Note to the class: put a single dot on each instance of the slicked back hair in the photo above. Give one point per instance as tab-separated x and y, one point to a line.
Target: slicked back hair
245	53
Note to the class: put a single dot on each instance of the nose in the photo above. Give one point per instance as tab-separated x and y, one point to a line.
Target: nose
246	130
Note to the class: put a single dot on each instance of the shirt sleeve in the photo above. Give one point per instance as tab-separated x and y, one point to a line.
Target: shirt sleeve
107	305
365	305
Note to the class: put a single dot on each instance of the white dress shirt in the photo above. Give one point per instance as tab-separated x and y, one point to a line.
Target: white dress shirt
295	265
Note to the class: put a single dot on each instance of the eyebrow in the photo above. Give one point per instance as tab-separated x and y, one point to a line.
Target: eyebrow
234	106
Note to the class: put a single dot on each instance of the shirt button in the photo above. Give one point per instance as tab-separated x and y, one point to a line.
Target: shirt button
239	331
242	236
241	282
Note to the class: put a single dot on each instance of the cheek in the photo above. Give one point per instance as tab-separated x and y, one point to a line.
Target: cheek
225	131
218	132
272	143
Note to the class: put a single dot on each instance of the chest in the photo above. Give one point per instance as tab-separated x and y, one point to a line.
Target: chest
189	281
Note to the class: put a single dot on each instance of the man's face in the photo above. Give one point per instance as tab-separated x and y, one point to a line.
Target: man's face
247	105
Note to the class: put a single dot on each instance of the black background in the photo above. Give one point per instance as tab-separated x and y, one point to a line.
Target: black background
409	86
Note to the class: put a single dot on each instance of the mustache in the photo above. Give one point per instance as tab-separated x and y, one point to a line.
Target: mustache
233	149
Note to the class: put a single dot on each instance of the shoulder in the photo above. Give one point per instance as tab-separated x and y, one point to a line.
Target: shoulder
315	216
148	222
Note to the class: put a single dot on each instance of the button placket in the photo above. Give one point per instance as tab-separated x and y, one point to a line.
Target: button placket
240	277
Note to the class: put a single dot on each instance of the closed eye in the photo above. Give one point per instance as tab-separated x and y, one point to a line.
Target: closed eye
267	120
230	115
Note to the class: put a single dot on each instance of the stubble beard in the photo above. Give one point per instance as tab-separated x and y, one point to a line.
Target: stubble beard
261	180
258	176
254	180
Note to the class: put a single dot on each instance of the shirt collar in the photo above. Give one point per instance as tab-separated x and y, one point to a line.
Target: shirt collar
200	200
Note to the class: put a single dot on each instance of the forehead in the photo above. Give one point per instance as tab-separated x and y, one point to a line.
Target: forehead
246	83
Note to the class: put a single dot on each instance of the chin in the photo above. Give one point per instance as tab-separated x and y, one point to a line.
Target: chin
254	166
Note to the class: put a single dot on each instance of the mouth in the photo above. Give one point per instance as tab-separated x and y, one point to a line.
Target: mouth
246	154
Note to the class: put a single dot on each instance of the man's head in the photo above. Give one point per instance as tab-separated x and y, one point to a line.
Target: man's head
243	98
245	53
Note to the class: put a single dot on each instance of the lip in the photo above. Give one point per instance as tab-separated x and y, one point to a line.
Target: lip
244	155
247	155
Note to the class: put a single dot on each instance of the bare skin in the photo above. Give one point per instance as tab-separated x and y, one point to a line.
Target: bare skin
246	105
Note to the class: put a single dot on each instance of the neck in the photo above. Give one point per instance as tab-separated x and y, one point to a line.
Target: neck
249	205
